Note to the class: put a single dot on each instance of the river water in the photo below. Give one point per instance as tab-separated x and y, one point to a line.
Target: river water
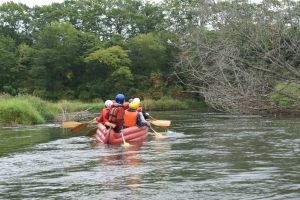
203	156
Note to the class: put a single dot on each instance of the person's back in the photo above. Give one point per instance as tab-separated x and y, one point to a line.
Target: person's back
132	116
103	117
116	113
141	109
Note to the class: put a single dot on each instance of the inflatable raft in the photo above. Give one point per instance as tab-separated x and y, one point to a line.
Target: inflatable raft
131	135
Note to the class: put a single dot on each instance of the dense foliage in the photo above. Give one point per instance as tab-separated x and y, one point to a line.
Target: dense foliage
93	49
84	49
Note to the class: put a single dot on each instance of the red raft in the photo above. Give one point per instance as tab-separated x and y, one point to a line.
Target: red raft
131	135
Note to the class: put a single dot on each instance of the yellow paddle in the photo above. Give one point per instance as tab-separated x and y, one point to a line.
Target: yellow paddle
125	144
91	132
161	123
157	134
78	128
70	124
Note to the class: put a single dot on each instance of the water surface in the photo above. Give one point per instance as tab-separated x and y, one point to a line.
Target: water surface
203	156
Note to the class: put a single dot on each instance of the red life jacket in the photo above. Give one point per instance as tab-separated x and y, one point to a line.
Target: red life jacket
112	115
115	115
103	115
130	118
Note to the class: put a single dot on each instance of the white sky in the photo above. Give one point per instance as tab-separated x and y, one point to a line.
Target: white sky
32	3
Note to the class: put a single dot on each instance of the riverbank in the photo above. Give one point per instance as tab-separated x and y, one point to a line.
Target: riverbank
29	110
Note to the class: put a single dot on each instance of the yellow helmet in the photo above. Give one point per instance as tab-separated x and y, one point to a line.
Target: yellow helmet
134	105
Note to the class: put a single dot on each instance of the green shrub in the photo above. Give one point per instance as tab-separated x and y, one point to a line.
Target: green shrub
16	111
285	95
26	109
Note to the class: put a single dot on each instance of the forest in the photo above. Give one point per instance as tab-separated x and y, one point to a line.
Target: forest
237	56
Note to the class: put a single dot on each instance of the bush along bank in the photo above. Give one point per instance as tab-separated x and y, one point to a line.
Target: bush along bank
29	110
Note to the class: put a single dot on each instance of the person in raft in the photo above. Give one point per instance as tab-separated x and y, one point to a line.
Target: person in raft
116	113
141	109
107	105
132	116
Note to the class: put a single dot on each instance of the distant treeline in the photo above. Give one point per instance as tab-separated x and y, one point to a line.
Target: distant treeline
237	56
86	50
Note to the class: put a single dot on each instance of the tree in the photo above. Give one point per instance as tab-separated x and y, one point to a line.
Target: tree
15	21
121	81
58	51
148	53
183	14
237	65
112	70
9	65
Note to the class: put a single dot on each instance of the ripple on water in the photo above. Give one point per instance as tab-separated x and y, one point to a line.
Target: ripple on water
206	156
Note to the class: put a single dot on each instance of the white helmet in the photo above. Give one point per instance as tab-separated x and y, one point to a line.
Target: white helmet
136	100
108	103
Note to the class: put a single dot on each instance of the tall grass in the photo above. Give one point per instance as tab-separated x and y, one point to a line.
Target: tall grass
17	111
75	106
47	110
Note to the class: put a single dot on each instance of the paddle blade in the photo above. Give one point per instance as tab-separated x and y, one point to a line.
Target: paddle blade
91	132
79	127
161	123
158	136
70	124
126	144
82	126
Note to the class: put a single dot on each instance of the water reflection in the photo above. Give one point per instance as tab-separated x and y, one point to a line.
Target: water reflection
124	156
128	159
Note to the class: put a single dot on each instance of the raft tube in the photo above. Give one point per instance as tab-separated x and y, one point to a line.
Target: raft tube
131	135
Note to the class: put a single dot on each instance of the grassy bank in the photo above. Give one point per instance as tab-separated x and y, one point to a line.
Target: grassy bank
28	110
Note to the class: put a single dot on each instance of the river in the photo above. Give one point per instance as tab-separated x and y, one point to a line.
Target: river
202	156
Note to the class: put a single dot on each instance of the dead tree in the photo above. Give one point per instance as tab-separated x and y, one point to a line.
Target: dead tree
236	65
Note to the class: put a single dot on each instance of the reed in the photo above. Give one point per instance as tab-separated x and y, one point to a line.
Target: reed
76	106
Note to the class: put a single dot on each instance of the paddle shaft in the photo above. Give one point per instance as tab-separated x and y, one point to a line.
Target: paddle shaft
91	132
124	142
157	134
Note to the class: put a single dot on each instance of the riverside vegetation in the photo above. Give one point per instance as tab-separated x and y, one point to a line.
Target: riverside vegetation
239	57
28	110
